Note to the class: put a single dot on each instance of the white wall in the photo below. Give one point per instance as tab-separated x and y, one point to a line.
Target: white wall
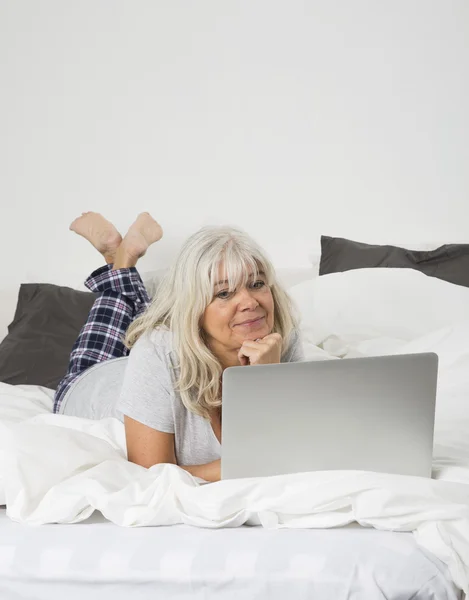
288	118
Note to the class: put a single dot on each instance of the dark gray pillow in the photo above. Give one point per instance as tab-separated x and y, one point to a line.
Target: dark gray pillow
47	321
449	262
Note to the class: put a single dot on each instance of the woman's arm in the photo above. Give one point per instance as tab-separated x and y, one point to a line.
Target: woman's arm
147	446
210	471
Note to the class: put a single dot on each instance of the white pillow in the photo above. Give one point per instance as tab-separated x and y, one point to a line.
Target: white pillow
363	304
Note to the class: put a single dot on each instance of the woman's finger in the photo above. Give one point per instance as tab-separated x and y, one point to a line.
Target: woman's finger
243	359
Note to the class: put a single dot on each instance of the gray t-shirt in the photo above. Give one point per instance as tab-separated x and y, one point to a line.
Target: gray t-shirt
141	386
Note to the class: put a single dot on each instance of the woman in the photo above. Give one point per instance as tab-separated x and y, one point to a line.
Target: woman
220	305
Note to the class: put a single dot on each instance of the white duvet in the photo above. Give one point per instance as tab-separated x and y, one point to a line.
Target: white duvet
58	469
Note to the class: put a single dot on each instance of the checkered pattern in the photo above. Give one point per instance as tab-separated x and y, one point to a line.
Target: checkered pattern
122	298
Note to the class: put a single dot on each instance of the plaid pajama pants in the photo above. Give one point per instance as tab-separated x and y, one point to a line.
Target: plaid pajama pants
122	298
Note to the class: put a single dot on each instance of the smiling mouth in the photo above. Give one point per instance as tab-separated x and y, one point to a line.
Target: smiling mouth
250	322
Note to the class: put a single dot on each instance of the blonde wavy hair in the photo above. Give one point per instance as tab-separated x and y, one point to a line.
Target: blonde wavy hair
186	291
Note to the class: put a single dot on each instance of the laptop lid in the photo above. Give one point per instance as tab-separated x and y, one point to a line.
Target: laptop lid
374	414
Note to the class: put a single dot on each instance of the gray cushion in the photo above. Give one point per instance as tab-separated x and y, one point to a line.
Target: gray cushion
47	321
449	262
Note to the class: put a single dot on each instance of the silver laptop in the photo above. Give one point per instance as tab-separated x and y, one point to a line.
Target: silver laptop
373	414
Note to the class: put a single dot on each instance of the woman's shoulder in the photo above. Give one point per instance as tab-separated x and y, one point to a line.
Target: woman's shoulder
158	340
150	356
294	337
293	351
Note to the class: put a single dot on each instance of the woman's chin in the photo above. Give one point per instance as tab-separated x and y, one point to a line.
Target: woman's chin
262	332
252	333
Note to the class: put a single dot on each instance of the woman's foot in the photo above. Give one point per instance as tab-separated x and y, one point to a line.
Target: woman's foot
144	232
100	232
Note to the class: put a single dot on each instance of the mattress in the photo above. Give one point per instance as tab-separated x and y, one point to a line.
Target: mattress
97	560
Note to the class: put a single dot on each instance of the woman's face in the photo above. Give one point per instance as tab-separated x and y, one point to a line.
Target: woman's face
233	316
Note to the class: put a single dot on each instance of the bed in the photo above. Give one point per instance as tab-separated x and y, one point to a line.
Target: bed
97	560
82	521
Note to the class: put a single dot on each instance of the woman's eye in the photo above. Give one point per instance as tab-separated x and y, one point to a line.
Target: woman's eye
225	294
262	283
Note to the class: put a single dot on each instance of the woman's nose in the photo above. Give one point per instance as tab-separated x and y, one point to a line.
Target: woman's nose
247	299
